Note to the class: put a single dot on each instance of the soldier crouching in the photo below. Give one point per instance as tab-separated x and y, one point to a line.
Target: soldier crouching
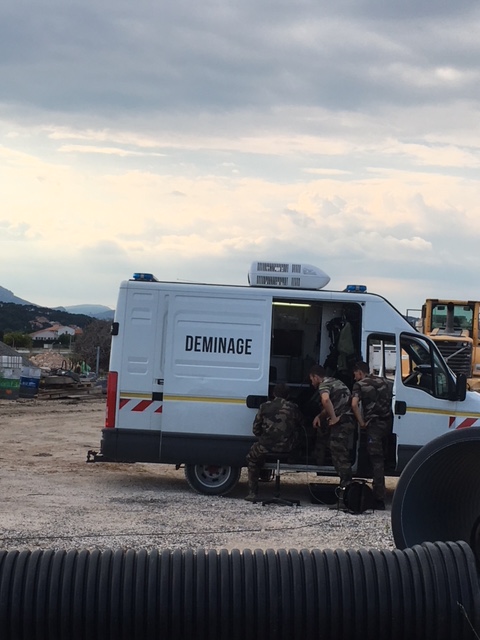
277	426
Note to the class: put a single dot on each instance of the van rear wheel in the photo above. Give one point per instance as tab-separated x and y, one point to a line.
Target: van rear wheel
212	480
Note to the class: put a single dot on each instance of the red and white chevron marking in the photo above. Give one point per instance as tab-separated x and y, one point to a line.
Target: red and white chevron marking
140	406
454	422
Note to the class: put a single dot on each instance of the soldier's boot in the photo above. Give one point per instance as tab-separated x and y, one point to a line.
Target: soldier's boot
340	503
379	500
340	493
252	486
379	492
341	499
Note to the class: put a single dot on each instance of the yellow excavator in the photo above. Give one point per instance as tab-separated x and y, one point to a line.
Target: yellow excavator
453	326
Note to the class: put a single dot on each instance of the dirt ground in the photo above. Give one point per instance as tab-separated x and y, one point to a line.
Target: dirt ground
51	497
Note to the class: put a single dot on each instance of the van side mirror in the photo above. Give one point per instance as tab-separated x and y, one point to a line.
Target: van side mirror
461	387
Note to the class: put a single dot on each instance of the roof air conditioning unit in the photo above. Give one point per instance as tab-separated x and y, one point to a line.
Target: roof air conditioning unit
284	275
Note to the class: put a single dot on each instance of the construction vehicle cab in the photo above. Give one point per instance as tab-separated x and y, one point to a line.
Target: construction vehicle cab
454	327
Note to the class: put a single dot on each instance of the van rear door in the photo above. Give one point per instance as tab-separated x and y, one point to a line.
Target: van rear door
140	363
217	355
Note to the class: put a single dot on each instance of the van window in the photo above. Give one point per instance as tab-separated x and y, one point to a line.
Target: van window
382	355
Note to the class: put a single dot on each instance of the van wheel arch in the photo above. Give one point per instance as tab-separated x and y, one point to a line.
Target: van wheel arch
212	480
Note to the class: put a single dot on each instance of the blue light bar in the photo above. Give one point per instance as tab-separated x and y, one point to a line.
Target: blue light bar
144	277
355	288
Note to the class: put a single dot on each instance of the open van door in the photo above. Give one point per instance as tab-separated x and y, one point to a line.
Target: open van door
426	395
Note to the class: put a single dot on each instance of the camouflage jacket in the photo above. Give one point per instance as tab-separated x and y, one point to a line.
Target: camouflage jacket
375	395
277	425
339	395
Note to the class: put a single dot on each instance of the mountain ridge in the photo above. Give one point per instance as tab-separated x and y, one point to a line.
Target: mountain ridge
8	296
95	310
102	312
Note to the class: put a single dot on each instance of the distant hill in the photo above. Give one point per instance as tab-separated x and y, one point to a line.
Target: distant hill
94	310
7	296
11	319
28	318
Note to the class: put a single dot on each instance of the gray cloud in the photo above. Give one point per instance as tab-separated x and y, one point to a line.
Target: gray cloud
90	57
177	115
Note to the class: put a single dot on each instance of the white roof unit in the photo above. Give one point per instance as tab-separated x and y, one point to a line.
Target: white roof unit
284	275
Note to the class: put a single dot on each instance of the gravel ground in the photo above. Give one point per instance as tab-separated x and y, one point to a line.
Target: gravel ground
51	498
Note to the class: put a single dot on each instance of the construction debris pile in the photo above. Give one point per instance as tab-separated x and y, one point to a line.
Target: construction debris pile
50	360
61	377
48	374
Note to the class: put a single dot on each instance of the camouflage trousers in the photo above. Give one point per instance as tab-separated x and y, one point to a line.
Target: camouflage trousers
377	430
341	445
256	456
255	461
322	444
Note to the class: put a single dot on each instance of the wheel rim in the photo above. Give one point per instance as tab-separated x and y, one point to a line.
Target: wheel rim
211	475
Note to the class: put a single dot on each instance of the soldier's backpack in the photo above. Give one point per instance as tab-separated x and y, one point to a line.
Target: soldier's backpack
358	497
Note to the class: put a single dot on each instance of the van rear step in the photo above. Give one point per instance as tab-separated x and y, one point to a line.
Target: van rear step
304	468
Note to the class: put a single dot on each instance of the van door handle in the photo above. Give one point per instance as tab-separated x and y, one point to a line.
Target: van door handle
254	402
400	407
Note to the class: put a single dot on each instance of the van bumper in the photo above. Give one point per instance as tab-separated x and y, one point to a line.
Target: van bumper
136	445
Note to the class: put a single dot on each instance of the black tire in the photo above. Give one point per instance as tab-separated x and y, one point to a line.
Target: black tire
212	480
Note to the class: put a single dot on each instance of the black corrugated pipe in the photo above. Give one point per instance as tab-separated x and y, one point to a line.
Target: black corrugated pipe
438	494
429	591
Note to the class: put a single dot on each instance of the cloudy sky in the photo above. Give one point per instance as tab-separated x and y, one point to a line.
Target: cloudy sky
188	139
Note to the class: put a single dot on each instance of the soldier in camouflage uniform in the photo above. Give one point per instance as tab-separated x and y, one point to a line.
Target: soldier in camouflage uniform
334	398
276	426
375	396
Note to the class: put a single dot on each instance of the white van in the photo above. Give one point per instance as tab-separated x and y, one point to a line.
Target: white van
191	363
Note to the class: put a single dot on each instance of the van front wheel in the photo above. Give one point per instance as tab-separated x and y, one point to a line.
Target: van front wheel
213	480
